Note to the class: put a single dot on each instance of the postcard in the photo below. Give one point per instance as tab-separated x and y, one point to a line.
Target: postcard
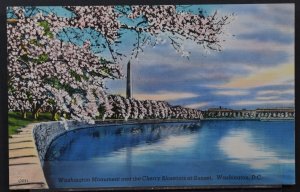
114	96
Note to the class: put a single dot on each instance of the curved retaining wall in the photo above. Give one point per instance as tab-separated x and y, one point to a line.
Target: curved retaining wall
27	149
45	133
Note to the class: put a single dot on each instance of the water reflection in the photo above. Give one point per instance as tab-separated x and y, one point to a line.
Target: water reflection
106	141
175	149
168	144
240	147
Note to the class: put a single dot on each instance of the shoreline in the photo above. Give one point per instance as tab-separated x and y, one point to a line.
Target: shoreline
143	121
248	119
156	121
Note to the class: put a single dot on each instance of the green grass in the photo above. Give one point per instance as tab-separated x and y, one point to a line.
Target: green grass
16	121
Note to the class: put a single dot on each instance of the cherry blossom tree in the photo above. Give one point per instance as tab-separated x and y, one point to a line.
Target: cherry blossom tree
53	66
134	109
44	71
118	106
142	113
148	106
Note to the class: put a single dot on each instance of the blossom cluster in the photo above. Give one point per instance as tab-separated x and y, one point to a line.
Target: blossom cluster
103	19
204	30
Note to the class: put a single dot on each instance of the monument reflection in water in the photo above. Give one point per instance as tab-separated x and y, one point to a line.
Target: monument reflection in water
173	154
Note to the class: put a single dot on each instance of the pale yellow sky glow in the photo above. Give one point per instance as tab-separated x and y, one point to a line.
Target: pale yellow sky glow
264	102
197	105
164	96
263	77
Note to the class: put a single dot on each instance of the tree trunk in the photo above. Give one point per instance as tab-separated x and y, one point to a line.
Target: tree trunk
35	110
35	113
35	116
54	116
24	115
104	116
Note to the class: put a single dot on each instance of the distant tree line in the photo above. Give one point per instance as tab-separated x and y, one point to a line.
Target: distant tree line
123	108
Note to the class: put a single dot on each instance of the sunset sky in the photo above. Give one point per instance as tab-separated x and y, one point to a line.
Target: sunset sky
254	69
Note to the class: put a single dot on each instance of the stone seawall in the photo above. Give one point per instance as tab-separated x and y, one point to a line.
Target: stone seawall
45	133
27	149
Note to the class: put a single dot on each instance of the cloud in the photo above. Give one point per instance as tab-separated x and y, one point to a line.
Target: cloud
276	92
263	27
255	45
263	77
232	92
164	96
241	52
268	36
267	98
197	105
233	57
163	68
263	16
279	14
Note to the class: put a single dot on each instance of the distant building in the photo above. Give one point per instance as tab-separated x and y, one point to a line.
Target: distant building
260	113
276	113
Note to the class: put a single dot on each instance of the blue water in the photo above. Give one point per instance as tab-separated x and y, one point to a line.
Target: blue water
171	154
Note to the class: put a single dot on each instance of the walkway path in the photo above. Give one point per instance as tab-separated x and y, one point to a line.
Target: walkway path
25	170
